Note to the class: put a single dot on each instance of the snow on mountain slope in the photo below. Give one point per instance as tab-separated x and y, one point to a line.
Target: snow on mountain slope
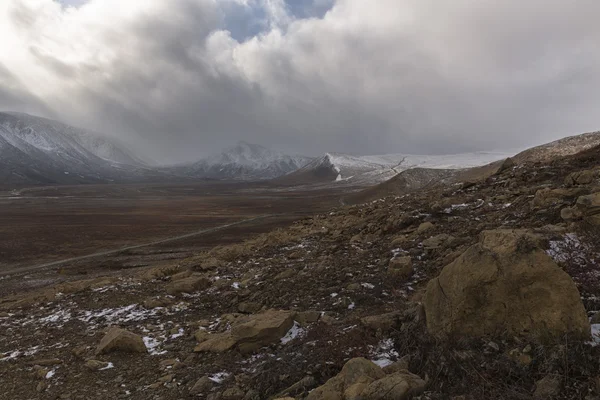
48	135
245	161
369	170
36	150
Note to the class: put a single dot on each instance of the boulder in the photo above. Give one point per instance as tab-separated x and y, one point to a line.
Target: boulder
425	226
397	386
216	343
400	267
589	208
546	198
357	371
202	385
188	285
582	177
505	284
438	241
262	329
548	387
95	365
383	323
117	339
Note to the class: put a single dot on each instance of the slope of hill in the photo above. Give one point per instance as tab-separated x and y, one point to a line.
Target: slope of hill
36	150
370	170
244	161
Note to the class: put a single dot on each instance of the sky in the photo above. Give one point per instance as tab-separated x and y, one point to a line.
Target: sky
179	79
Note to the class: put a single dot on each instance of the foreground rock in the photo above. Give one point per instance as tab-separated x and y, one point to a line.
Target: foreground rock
587	209
117	339
504	284
251	333
360	379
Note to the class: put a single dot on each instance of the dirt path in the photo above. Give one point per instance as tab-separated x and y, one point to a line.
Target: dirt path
30	268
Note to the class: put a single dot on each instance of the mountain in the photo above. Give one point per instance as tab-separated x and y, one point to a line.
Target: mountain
371	170
559	148
36	150
244	161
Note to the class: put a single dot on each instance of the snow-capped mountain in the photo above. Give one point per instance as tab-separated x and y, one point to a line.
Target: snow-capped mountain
369	170
245	161
36	150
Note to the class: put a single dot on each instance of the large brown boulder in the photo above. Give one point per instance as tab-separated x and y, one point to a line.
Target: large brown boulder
355	377
587	209
117	339
397	386
546	198
505	284
190	284
262	329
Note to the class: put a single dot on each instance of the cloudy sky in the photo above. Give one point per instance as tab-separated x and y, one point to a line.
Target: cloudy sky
177	79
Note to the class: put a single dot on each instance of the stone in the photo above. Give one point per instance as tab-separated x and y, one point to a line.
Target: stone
286	274
505	284
234	393
216	343
353	287
424	227
308	317
356	371
209	264
546	198
181	275
589	207
383	322
581	177
520	358
202	335
156	302
438	241
95	365
400	365
400	267
397	386
547	387
595	318
188	285
117	339
249	307
262	330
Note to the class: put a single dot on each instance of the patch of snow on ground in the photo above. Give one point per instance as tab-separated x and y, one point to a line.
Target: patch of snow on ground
50	374
108	366
368	285
10	355
568	248
153	344
219	377
179	333
385	354
235	285
294	332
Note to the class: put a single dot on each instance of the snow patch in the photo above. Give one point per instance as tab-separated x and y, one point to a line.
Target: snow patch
294	332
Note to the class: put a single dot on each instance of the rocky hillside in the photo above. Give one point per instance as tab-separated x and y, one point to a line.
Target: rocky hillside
484	290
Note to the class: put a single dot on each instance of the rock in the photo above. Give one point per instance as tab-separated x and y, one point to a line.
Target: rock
438	241
79	351
356	371
397	386
216	343
400	267
95	365
519	357
589	207
581	177
209	264
546	198
504	284
399	241
308	317
400	365
156	302
303	385
424	227
262	330
188	285
117	339
181	275
288	273
595	318
41	386
234	393
202	335
383	323
547	387
507	164
249	308
353	287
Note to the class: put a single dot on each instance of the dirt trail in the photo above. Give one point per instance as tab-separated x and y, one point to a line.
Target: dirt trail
30	268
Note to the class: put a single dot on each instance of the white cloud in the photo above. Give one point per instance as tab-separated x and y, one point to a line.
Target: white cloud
388	75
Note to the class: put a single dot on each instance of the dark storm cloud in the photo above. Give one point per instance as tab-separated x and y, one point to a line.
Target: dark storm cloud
182	78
